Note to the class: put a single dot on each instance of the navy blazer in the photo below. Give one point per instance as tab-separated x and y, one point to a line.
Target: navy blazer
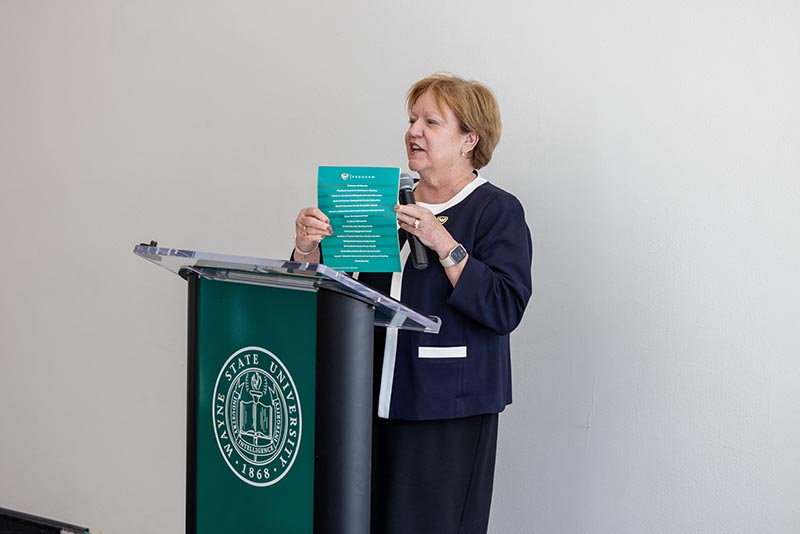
465	369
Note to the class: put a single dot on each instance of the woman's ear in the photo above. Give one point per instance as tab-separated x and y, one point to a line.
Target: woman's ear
470	140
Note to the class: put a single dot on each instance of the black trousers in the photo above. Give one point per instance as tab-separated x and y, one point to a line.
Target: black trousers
433	477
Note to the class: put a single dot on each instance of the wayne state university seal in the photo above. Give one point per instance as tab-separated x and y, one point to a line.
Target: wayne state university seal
257	416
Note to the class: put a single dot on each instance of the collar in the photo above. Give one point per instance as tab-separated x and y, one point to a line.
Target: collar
464	193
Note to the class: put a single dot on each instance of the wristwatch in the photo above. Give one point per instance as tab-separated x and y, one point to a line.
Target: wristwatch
456	256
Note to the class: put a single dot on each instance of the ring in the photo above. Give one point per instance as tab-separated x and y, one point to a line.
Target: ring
416	224
305	231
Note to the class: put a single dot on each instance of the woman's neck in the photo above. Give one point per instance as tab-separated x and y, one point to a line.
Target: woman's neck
432	191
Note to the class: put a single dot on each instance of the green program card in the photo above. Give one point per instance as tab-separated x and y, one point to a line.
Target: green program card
360	203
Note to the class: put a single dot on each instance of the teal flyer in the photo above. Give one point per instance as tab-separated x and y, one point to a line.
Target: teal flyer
360	204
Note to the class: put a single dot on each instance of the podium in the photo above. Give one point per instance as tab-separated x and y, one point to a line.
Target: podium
279	392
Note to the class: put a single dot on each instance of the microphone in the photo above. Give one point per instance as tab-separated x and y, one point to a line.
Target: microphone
419	254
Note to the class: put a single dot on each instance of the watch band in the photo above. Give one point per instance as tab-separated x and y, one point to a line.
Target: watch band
455	257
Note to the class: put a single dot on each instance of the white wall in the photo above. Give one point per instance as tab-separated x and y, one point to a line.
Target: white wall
654	145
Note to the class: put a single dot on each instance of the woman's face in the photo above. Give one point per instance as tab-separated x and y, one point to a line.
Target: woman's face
434	140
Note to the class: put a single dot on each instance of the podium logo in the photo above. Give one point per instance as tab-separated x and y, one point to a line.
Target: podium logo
345	176
257	416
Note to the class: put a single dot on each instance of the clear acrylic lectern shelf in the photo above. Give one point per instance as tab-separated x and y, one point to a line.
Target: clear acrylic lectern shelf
289	274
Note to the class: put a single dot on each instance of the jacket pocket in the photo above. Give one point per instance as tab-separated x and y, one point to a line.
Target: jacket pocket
442	353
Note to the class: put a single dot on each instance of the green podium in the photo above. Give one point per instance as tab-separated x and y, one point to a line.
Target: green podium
280	392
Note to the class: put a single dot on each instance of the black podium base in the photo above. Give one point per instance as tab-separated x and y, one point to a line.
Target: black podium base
344	414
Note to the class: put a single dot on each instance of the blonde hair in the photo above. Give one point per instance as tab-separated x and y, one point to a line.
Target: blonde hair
473	104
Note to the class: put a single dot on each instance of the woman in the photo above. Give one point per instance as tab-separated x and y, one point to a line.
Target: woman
439	395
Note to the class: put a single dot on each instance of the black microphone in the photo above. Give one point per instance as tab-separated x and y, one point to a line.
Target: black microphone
419	254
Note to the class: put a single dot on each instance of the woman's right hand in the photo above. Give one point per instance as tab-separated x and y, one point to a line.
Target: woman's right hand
310	227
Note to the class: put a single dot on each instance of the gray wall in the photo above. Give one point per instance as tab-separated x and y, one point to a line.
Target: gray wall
654	145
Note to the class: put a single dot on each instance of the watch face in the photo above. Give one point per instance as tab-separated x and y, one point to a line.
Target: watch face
458	254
